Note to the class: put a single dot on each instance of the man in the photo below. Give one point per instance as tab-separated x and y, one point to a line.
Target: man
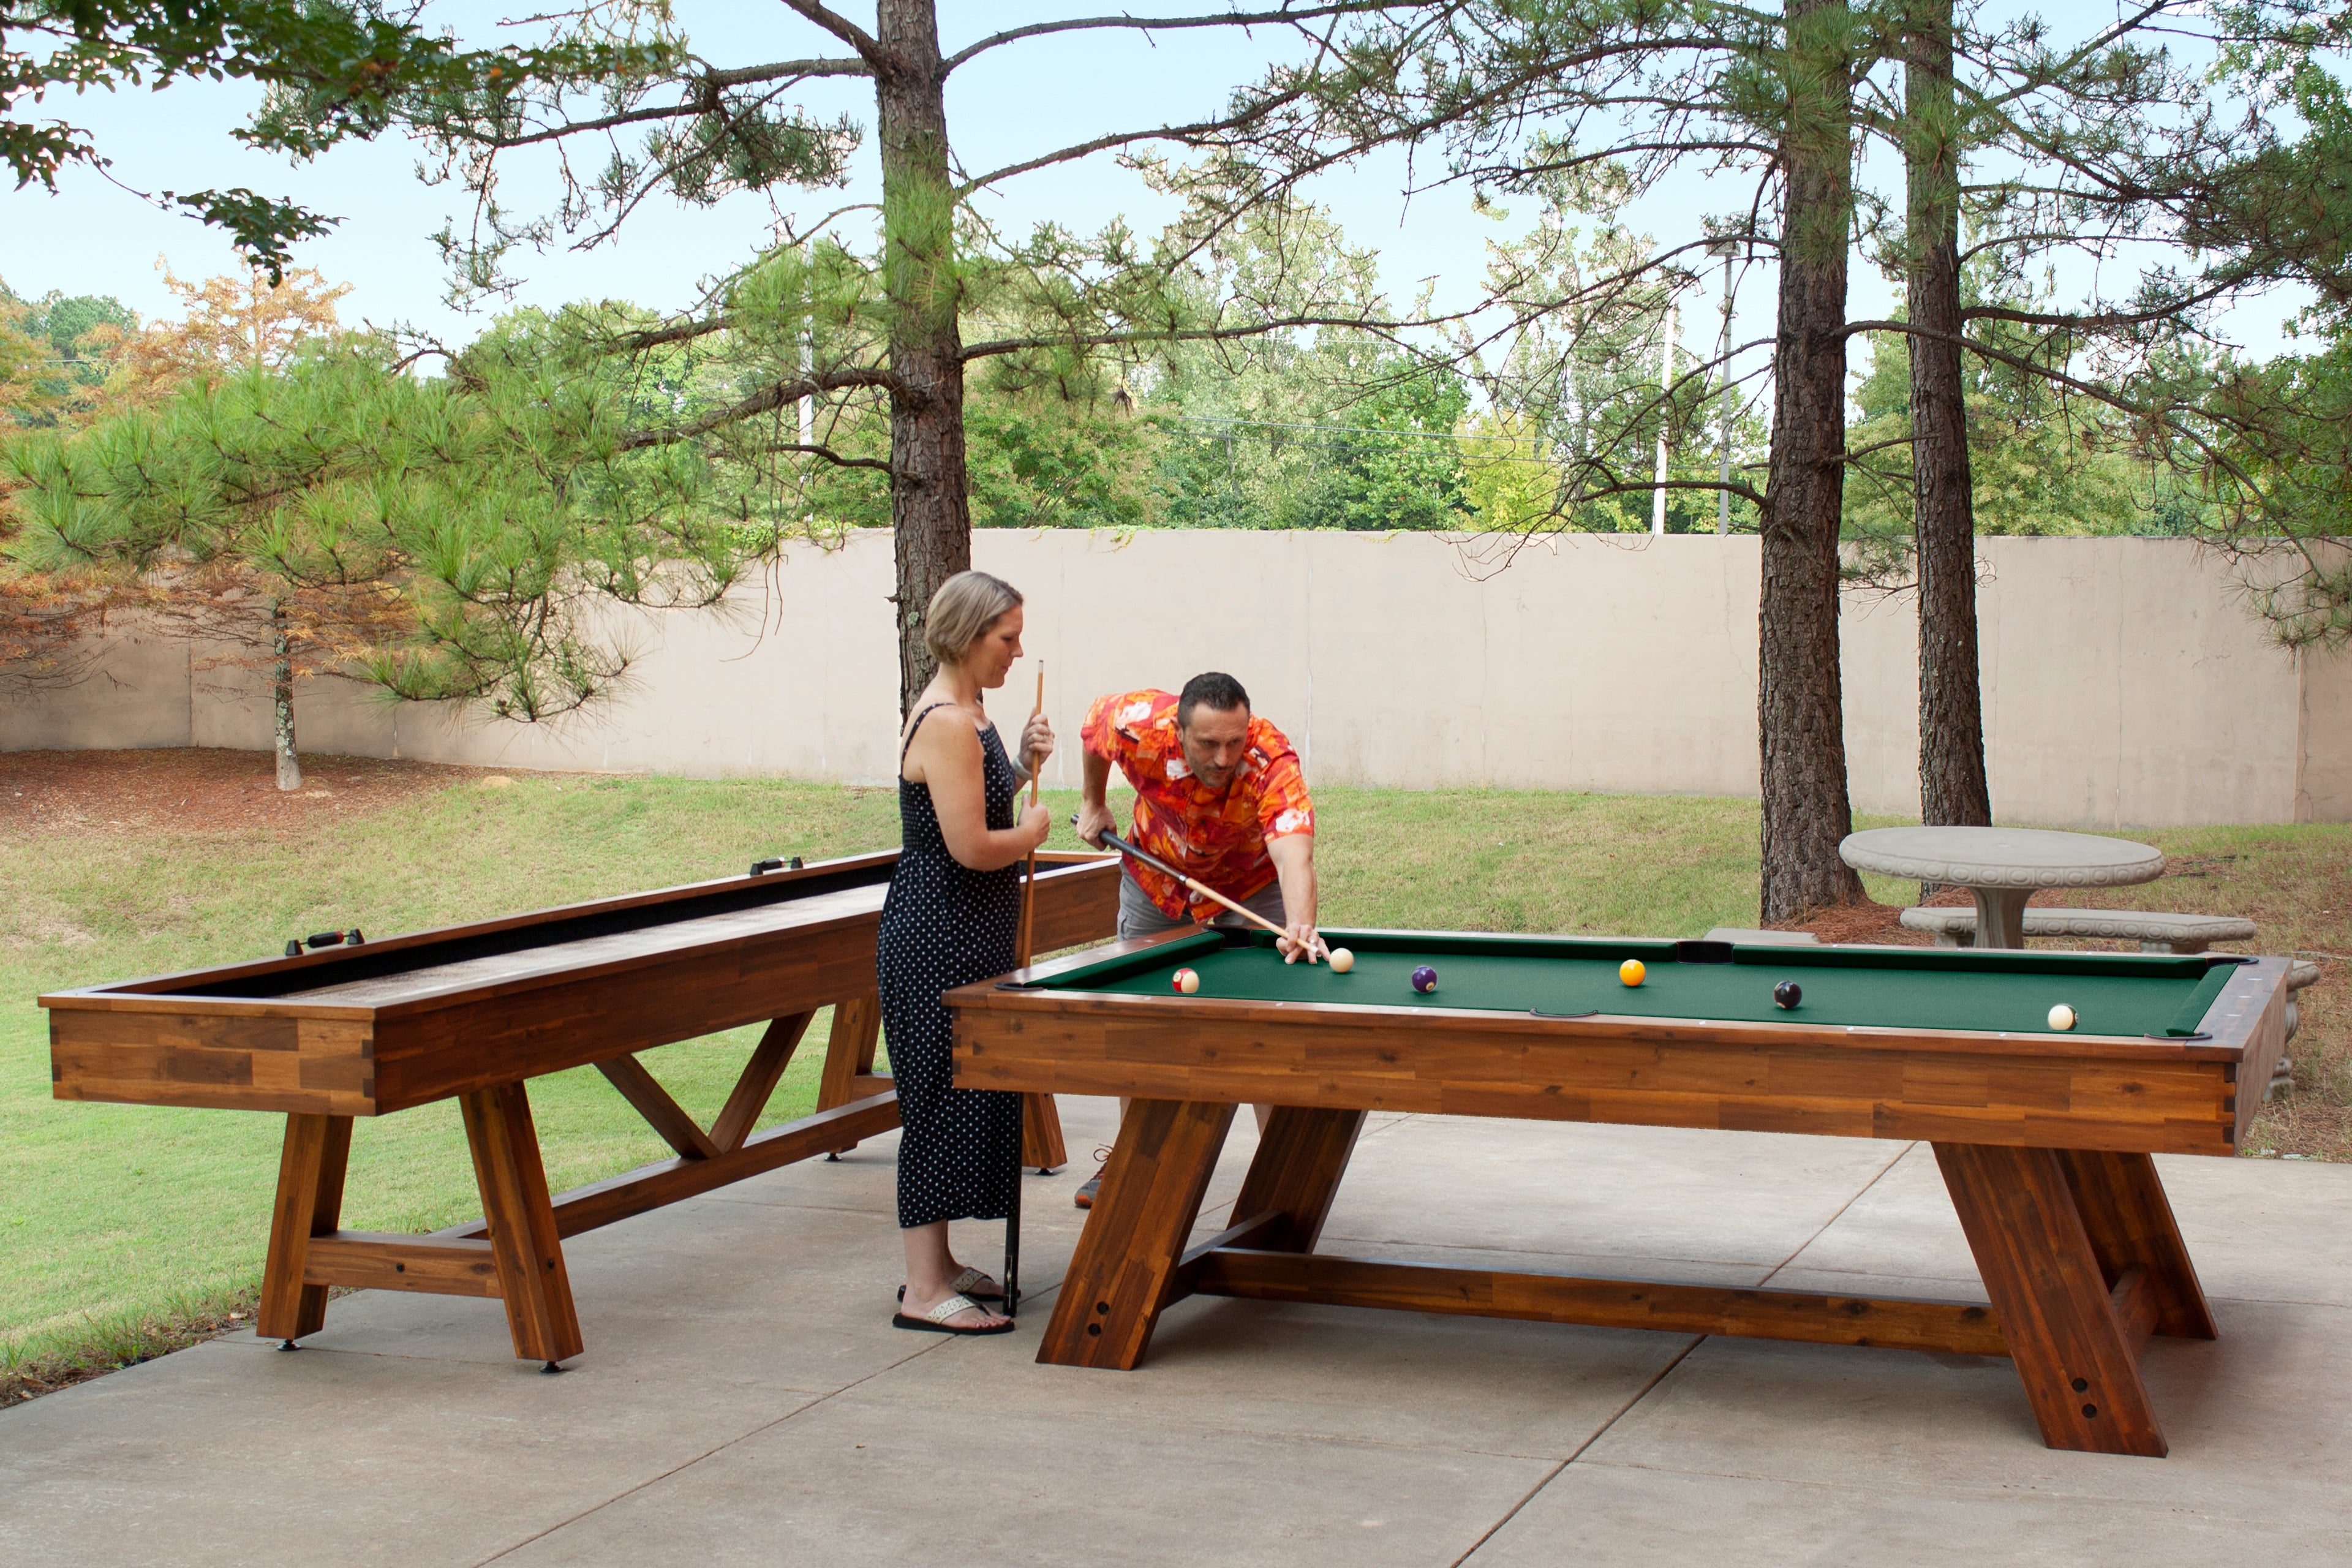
1219	795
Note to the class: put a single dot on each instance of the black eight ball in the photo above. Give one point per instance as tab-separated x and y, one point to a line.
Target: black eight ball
1788	994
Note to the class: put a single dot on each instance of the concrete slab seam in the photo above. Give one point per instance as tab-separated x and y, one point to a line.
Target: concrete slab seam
1663	1373
1840	1214
689	1463
1594	1437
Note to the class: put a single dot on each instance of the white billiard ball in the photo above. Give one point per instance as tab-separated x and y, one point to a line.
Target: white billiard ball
2061	1017
1341	960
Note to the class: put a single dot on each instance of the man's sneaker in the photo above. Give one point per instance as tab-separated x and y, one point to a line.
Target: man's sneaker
1085	1197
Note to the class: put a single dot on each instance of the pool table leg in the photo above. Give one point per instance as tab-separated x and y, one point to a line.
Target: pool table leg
1118	1280
2130	1222
1295	1176
309	1204
2074	1339
524	1239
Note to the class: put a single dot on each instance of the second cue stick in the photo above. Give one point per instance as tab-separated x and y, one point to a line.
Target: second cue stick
1022	945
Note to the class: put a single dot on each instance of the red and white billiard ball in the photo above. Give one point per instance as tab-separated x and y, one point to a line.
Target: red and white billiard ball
1185	981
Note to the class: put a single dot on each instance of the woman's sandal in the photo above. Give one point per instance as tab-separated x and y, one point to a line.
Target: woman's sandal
935	1321
970	1283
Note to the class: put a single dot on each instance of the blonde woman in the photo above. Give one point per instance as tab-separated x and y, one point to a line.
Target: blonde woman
949	919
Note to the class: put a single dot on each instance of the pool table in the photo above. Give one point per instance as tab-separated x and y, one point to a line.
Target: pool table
2044	1136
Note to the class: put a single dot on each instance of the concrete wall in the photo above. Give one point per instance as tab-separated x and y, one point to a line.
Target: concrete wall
2125	682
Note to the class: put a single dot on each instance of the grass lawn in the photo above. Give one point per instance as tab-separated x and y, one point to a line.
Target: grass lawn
122	1218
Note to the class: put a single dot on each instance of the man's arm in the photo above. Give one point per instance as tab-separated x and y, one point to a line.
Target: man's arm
1094	807
1293	855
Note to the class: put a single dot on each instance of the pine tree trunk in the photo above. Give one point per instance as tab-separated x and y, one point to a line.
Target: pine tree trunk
281	696
1952	787
1801	707
931	511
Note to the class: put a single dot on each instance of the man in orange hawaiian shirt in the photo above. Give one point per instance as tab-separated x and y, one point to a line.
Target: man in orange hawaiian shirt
1219	794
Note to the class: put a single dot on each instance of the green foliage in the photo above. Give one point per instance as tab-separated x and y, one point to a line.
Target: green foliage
2040	463
57	350
1368	444
444	538
1574	389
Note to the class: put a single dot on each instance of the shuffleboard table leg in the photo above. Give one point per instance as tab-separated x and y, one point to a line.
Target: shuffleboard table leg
2130	1220
523	1239
762	1071
849	1054
310	1202
2072	1351
1117	1284
1296	1174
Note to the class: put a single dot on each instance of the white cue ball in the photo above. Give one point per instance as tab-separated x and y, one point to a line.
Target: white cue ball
1341	960
2061	1017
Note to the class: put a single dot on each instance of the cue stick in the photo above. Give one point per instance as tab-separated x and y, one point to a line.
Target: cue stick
1024	942
1201	888
1027	938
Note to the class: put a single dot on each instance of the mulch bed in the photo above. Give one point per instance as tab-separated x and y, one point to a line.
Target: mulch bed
200	789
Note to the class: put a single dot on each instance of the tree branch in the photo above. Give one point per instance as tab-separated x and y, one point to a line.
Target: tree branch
868	49
765	401
1167	24
784	71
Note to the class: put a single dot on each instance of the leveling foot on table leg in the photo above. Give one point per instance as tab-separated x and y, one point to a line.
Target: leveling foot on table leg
290	1345
833	1159
550	1366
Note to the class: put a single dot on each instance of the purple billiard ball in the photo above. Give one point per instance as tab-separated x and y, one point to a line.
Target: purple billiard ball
1425	980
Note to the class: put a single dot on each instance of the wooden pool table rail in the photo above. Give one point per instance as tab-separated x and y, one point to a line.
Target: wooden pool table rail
2062	1092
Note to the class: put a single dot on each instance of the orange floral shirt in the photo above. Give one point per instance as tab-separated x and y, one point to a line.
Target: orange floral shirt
1218	838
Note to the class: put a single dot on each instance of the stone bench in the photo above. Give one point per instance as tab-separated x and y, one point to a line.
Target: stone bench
2305	973
1767	938
2155	932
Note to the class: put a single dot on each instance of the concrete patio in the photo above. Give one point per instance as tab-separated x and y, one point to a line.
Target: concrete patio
743	1398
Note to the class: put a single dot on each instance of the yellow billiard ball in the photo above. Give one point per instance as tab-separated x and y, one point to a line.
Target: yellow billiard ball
1186	981
1340	960
1631	972
2061	1017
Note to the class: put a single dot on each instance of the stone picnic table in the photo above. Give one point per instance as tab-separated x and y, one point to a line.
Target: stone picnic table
2002	867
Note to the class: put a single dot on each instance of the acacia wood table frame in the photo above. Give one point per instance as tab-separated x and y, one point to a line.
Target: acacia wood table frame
2044	1142
473	1012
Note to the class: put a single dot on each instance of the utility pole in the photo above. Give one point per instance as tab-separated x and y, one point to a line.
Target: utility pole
1666	387
1725	247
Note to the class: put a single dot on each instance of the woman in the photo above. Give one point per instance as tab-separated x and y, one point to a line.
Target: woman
950	918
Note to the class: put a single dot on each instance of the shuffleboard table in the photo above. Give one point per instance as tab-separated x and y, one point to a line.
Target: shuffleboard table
2043	1136
473	1012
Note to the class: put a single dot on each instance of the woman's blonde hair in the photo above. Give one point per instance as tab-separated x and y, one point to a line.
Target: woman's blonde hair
966	605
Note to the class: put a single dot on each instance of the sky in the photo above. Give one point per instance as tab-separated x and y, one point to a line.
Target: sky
96	237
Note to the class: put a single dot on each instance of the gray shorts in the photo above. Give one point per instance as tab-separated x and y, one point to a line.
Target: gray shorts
1138	916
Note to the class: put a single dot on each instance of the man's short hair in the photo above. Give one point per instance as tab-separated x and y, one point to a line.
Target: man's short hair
1214	689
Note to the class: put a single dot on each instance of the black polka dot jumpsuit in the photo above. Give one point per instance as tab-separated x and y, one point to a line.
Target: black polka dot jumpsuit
944	925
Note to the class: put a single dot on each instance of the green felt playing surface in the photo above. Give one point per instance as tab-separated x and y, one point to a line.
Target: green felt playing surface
2117	993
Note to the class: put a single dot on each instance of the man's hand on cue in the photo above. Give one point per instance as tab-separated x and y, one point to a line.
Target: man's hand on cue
1094	821
1302	942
